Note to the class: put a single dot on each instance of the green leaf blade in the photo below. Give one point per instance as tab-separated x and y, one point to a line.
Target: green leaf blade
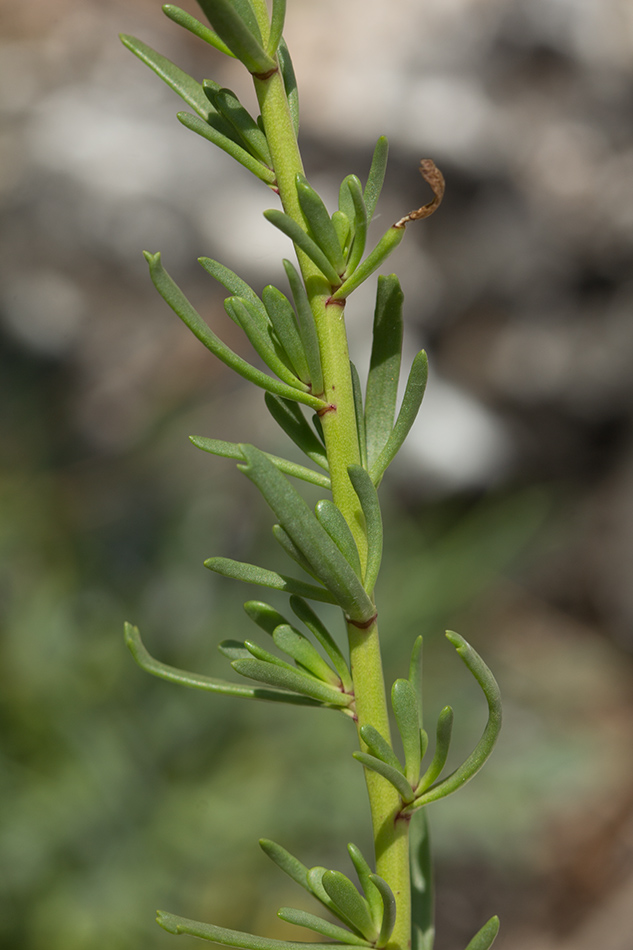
347	899
188	22
176	78
384	368
376	176
320	224
411	402
368	497
241	155
252	574
330	517
236	24
231	450
394	776
405	707
289	417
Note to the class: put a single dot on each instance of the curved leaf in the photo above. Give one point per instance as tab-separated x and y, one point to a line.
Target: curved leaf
379	747
368	497
384	367
227	104
358	412
302	240
405	707
386	245
291	679
389	910
307	328
173	295
236	24
442	743
231	450
289	417
251	574
233	938
259	337
306	615
206	131
277	18
265	616
234	284
484	938
347	899
392	775
359	227
295	645
365	876
290	83
411	402
283	319
184	19
176	78
320	224
330	517
376	176
287	862
301	918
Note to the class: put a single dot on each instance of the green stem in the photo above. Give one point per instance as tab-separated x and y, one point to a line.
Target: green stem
341	439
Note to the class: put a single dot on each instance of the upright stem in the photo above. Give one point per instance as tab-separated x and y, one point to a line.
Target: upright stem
341	440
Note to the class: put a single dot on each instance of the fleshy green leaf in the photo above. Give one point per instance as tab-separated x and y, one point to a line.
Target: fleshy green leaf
347	899
287	544
232	938
301	525
291	679
306	615
483	750
295	645
379	747
389	910
184	19
301	918
233	650
287	862
384	367
302	240
345	201
422	889
368	497
251	574
236	24
290	83
405	707
343	230
411	402
415	675
376	176
227	104
228	145
231	450
196	681
173	295
247	318
289	417
264	615
307	328
358	411
283	319
359	227
277	19
176	78
330	517
320	224
365	876
442	744
392	775
484	939
234	284
386	245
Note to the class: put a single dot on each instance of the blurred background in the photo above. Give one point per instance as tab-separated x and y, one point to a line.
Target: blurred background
509	516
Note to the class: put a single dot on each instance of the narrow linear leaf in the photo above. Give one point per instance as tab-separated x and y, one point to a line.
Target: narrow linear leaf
231	450
358	411
365	876
392	775
343	230
360	225
290	83
277	20
389	910
301	918
376	176
483	750
415	675
184	19
177	79
345	201
411	402
251	574
287	862
236	24
300	523
173	295
315	880
318	427
368	497
443	735
405	707
286	543
320	224
485	937
378	746
347	899
302	240
265	616
234	284
330	517
291	679
254	650
307	327
306	615
206	131
386	246
295	645
422	884
196	681
289	417
282	317
247	319
252	137
232	938
384	367
233	650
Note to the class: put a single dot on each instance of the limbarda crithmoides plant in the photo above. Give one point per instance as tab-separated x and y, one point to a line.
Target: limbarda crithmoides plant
313	392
